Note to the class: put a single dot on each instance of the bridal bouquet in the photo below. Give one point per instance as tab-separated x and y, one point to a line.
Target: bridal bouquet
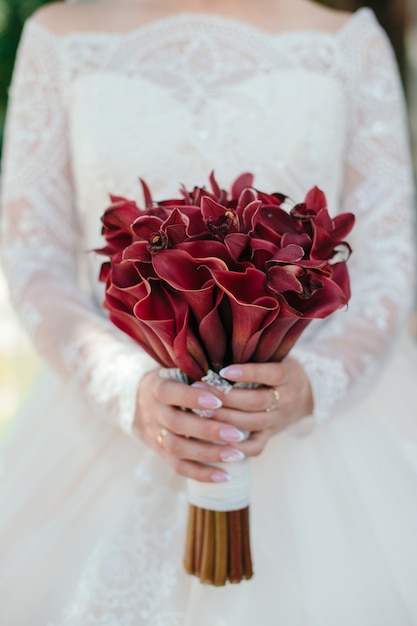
214	278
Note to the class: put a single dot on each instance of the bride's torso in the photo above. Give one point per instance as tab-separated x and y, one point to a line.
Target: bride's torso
179	97
174	99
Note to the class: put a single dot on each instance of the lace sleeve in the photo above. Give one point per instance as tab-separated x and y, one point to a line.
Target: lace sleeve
41	238
346	353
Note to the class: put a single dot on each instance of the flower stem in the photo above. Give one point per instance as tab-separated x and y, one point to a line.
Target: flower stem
189	560
235	547
220	548
207	557
198	540
247	558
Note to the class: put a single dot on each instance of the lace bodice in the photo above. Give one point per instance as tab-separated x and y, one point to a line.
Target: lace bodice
170	101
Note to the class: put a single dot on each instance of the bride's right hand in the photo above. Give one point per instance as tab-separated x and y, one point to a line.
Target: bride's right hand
183	439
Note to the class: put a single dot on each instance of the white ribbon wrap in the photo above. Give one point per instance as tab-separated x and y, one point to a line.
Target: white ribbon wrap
231	496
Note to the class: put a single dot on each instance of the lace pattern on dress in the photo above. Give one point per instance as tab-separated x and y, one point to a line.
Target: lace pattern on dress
137	561
42	241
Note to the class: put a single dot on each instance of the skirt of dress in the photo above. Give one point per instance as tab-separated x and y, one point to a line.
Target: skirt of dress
92	524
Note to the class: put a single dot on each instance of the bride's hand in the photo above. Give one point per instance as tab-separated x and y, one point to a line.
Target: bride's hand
183	439
189	442
284	398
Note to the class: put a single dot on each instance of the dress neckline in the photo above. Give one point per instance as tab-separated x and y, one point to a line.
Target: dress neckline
201	18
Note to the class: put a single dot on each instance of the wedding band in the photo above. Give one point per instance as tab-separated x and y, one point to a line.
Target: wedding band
161	436
275	401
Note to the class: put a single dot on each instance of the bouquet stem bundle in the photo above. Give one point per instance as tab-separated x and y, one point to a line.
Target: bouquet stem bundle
218	546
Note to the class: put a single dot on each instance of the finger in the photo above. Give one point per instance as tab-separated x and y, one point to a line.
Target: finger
201	451
252	421
269	374
179	394
263	399
197	471
256	443
190	425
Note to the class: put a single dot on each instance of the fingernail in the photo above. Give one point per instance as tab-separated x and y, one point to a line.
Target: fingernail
232	372
232	435
207	401
231	455
220	477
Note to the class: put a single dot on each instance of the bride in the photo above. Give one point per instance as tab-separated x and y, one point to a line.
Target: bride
92	496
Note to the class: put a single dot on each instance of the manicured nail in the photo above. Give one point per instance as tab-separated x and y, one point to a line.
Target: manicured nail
231	455
232	435
232	372
207	401
220	477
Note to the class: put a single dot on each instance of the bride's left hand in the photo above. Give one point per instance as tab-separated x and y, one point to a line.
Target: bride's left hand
284	398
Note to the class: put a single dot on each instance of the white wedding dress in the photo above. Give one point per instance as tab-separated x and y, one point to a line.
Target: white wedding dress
92	522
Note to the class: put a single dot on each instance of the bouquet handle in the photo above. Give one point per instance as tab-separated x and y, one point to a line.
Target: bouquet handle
217	548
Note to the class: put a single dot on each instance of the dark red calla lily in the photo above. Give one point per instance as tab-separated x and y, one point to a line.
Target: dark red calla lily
213	278
252	309
193	280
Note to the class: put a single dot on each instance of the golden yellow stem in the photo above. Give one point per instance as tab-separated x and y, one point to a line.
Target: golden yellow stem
198	539
207	557
189	561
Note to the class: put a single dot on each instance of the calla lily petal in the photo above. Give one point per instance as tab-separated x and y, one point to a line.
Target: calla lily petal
284	279
252	310
244	181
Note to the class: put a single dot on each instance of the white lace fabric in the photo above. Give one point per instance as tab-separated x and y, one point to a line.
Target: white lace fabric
42	241
91	112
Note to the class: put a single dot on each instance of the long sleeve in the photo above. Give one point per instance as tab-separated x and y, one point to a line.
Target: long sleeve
345	353
41	241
